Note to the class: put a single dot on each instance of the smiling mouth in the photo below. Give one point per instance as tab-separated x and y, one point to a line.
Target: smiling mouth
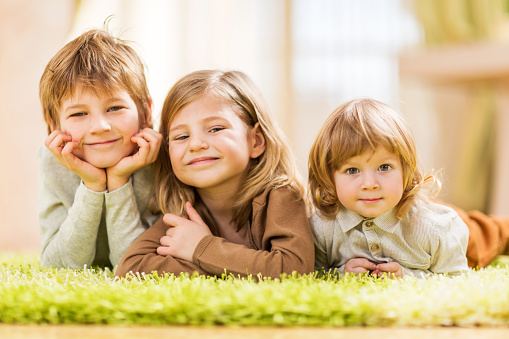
102	143
202	161
371	201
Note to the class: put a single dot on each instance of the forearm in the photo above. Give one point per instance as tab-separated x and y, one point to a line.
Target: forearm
123	221
216	255
141	256
69	236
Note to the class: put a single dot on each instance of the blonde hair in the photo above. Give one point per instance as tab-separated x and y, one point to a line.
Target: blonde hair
274	168
351	129
95	60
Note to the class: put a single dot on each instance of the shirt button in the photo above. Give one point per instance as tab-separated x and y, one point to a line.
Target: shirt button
369	223
375	248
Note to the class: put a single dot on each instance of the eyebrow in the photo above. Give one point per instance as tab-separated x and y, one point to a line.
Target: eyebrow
108	101
215	117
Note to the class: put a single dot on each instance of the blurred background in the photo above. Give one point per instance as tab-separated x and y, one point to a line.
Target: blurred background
444	64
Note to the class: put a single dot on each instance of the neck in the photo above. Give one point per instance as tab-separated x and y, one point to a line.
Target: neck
220	204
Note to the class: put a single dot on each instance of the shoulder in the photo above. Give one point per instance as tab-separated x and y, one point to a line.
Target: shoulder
277	196
321	225
281	204
49	167
434	217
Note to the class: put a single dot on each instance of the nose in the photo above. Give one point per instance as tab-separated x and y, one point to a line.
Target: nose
197	142
369	181
99	124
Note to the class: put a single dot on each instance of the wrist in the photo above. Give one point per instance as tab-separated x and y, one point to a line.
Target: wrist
96	187
114	183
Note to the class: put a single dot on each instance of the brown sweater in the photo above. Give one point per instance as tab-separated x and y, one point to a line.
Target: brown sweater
278	240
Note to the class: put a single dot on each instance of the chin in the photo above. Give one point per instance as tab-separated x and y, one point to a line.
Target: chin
103	163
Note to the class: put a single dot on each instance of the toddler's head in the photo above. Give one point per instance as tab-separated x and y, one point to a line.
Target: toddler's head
98	62
355	127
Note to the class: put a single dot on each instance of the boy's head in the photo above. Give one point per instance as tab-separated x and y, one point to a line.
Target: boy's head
355	127
98	62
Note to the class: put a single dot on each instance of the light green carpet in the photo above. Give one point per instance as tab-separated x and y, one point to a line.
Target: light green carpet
31	295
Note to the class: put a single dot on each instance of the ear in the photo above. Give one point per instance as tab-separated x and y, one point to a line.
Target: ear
148	117
51	126
257	141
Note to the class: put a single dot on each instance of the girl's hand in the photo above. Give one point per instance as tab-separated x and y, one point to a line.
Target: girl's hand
359	265
392	270
61	146
149	142
183	234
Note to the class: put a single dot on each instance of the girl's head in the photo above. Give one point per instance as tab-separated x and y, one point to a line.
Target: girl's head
355	127
196	96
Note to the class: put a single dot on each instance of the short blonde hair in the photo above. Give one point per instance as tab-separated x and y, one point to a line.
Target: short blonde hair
274	168
352	128
95	60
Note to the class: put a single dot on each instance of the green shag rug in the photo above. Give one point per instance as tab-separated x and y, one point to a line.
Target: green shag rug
31	295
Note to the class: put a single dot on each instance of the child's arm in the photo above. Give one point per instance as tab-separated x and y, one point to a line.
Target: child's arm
320	241
69	215
127	214
280	237
450	247
142	257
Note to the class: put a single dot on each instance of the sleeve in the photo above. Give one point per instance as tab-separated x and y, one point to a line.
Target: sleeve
286	238
449	255
142	257
321	262
68	228
416	273
123	220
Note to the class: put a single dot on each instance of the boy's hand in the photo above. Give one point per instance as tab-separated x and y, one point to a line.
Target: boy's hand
359	265
183	235
61	146
392	270
148	142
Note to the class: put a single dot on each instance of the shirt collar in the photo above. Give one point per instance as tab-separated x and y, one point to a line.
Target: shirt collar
348	220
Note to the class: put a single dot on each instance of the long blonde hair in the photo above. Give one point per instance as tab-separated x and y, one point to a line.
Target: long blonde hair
352	128
274	168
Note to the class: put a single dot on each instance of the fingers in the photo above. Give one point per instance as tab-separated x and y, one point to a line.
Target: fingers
172	220
56	141
388	267
149	142
361	265
163	250
193	214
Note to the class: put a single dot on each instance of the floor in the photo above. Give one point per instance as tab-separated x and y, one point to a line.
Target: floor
98	332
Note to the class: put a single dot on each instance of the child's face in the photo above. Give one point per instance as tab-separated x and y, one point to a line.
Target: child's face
102	125
209	145
370	184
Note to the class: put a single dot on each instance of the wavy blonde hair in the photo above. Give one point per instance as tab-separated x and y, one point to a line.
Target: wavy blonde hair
274	168
352	128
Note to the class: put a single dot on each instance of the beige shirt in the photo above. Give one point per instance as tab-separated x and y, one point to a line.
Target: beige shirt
432	238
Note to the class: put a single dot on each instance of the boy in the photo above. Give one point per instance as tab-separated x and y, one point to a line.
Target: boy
94	182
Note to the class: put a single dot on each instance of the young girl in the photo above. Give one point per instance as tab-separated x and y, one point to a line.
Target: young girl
227	185
372	212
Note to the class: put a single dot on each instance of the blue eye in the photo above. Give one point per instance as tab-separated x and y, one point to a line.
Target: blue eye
216	129
352	170
384	168
78	114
